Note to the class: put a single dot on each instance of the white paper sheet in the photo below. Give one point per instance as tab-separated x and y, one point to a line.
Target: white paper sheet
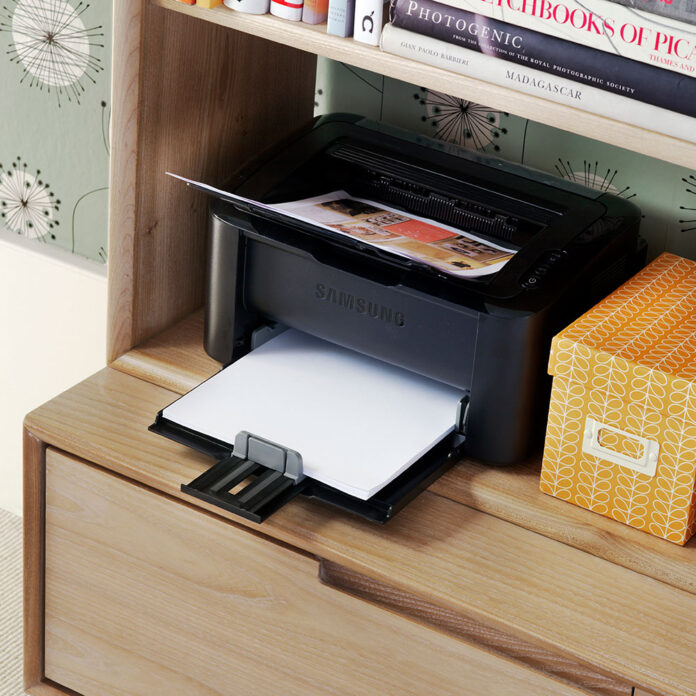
455	251
357	422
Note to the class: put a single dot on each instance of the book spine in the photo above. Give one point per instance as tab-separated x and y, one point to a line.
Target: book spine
367	25
341	17
601	24
681	10
315	11
444	55
549	54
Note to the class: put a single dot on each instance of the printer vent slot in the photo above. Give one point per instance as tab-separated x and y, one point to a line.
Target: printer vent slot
391	182
461	214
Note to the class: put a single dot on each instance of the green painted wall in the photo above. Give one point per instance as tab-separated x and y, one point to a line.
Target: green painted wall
55	70
665	193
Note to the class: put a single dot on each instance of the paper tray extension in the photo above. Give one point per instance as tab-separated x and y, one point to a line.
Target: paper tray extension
257	501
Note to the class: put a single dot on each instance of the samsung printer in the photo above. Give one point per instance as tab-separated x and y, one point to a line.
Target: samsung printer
488	337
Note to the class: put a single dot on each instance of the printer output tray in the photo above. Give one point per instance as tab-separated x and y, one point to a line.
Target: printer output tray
303	415
256	504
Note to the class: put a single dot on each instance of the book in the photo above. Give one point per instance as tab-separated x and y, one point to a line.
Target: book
341	17
522	78
367	26
513	44
600	24
682	10
315	11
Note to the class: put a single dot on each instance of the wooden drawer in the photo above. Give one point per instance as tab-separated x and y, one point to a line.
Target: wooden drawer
146	595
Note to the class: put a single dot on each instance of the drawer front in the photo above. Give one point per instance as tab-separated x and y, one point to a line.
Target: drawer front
146	595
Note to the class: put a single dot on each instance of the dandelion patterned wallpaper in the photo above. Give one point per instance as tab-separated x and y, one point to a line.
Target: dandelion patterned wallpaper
665	193
55	69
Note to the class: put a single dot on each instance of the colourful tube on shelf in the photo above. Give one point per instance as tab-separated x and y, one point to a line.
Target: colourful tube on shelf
287	9
315	11
249	6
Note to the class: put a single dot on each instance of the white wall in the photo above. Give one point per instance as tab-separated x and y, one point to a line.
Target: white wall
52	335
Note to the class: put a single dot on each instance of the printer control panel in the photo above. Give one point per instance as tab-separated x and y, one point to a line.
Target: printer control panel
548	264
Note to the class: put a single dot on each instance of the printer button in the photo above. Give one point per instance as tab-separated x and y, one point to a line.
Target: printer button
531	282
545	265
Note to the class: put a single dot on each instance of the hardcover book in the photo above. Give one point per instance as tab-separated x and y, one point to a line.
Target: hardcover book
612	73
522	78
600	24
683	10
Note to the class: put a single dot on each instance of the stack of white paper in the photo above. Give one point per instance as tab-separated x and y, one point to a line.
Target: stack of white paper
357	422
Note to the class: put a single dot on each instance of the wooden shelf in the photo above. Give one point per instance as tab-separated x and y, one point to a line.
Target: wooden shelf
314	39
541	594
176	361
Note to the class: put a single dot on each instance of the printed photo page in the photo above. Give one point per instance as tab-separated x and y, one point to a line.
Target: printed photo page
446	248
454	251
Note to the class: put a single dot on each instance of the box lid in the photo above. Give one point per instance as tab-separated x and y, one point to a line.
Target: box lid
639	342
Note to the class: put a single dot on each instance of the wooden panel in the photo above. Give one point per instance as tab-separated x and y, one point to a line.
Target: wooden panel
49	688
450	622
497	574
176	360
316	40
125	101
33	518
147	596
512	493
188	99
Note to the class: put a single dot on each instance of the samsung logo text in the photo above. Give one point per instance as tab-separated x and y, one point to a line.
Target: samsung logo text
359	305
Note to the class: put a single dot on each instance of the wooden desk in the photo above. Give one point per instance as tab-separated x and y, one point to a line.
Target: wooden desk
149	591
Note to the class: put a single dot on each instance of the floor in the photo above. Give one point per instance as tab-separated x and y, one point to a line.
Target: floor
10	604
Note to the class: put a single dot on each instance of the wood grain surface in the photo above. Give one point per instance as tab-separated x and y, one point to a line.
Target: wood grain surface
500	575
512	493
147	596
33	559
314	39
186	99
173	359
176	360
455	624
123	180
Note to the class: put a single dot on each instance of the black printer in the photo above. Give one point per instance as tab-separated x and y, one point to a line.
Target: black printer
488	336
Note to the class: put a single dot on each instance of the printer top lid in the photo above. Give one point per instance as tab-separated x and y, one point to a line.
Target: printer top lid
546	219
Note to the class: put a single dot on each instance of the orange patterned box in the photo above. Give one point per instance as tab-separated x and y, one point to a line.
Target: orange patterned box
621	436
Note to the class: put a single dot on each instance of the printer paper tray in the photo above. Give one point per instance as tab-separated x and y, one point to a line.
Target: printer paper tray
213	485
301	415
